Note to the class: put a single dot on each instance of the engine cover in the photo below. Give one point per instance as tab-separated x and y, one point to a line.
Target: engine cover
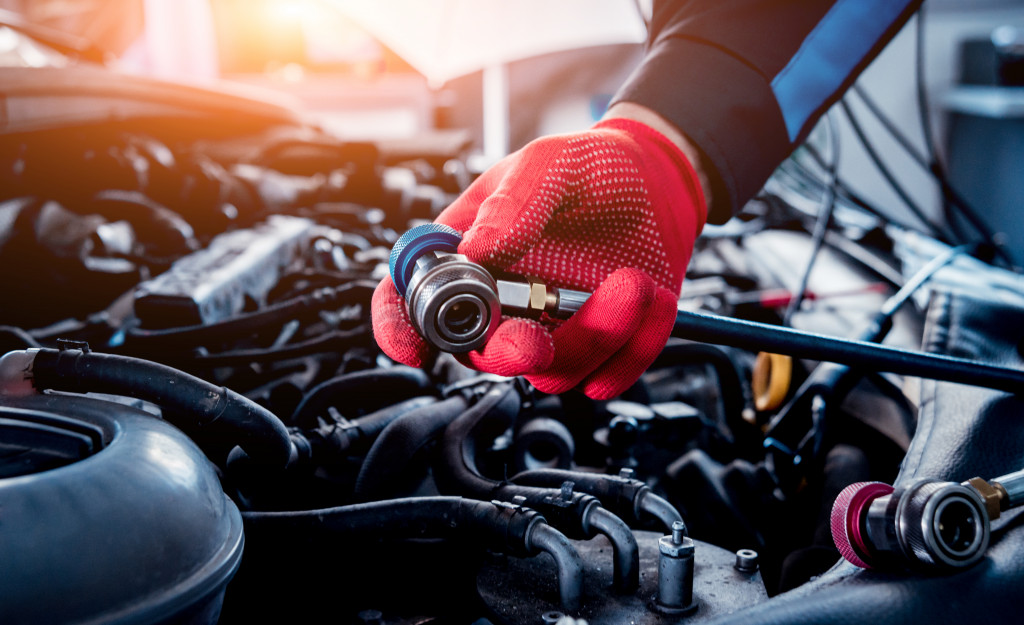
108	514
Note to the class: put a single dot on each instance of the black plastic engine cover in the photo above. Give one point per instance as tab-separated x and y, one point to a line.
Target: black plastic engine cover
120	519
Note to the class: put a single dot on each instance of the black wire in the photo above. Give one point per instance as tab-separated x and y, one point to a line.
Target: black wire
937	230
845	192
953	197
821	225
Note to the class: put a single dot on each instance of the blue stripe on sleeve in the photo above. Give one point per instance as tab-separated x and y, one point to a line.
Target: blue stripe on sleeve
830	53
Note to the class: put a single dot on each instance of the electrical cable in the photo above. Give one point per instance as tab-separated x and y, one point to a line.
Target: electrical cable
936	230
922	93
820	226
845	193
950	193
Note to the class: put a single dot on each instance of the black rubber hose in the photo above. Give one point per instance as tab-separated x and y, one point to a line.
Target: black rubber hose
260	434
152	222
628	498
657	507
626	570
334	341
357	436
399	443
570	511
941	233
734	394
567	560
365	390
515	530
246	324
485	420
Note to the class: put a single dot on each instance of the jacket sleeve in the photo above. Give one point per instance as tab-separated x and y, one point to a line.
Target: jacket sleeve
746	80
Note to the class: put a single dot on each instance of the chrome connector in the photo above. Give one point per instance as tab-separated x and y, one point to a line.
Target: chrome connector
453	303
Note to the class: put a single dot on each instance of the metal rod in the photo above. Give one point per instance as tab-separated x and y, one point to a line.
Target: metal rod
1013	484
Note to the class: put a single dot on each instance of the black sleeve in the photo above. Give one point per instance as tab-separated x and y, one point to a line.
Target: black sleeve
746	80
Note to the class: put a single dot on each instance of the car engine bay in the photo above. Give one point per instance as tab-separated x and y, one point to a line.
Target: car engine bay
196	424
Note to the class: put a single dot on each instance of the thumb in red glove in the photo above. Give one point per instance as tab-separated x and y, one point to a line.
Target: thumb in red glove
614	210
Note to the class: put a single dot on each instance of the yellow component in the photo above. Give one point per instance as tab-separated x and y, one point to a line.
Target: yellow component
772	375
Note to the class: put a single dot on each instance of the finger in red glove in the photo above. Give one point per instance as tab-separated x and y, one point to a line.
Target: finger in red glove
393	329
604	325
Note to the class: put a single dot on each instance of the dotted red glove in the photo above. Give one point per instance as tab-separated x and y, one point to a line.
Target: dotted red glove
613	210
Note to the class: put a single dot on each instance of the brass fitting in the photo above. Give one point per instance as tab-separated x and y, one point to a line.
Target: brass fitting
991	493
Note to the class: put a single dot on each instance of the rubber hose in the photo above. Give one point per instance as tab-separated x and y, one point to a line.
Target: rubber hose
375	388
485	420
519	531
733	392
246	324
399	443
261	435
362	432
456	471
333	341
657	507
570	567
626	571
625	497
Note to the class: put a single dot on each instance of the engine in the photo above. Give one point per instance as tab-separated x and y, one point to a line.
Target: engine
196	423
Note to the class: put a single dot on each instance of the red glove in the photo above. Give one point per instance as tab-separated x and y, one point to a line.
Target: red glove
613	210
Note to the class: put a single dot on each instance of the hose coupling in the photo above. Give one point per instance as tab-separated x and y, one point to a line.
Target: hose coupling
928	524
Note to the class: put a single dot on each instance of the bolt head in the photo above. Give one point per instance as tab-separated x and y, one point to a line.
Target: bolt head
669	548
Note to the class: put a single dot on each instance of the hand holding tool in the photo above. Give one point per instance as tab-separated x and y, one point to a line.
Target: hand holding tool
613	210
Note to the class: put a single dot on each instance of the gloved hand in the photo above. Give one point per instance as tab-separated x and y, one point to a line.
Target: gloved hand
613	210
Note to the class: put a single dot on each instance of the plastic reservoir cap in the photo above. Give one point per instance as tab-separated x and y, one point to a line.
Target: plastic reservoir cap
846	520
416	242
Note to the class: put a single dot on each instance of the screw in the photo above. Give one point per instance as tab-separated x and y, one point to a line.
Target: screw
679	532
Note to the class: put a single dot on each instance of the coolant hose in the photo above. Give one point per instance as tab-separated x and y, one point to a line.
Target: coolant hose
399	443
380	386
360	433
260	433
512	529
734	394
574	513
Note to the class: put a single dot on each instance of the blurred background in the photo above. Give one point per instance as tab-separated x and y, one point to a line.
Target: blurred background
496	75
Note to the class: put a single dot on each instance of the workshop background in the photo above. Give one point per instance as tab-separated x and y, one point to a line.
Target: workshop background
324	55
